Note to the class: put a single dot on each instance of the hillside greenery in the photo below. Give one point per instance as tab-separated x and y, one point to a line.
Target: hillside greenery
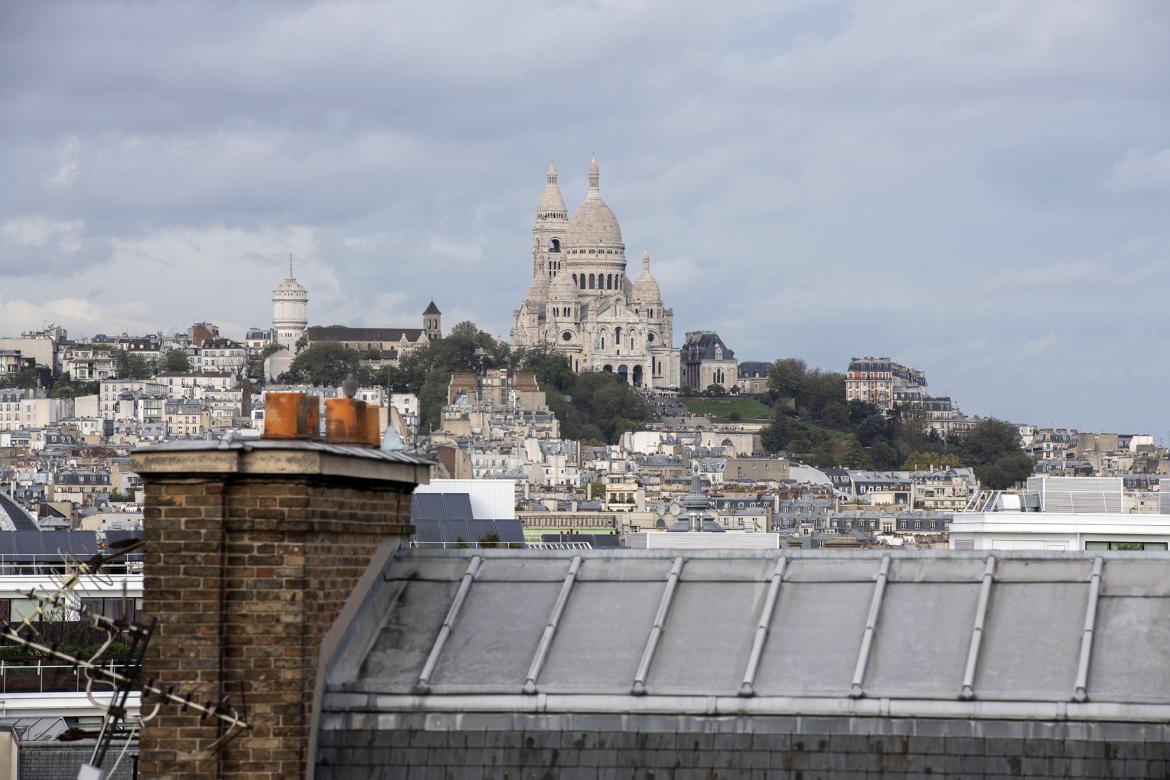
813	422
729	409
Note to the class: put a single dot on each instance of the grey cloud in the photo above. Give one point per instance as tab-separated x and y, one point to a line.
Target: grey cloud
825	178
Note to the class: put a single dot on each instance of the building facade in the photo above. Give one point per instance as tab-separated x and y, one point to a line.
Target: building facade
580	301
707	361
290	311
882	382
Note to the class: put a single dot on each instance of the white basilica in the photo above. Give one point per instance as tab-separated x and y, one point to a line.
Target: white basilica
582	303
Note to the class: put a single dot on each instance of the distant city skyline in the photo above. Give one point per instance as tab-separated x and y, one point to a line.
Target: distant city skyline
978	191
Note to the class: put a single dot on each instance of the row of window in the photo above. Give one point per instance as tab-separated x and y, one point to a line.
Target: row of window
1126	546
598	281
591	251
13	610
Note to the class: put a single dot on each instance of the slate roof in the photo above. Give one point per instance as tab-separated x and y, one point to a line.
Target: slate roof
345	333
702	347
754	369
907	633
18	517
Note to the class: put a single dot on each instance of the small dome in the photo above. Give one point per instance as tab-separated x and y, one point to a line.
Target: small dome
289	288
646	286
593	223
552	205
562	287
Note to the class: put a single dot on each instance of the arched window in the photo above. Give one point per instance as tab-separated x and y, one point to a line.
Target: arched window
582	281
592	281
554	245
609	281
574	280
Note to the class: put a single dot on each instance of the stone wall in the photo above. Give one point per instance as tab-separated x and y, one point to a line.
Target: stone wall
760	747
246	573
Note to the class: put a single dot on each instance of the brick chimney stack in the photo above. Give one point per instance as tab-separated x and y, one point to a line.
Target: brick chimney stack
252	549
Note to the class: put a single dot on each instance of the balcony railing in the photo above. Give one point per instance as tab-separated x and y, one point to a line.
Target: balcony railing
33	675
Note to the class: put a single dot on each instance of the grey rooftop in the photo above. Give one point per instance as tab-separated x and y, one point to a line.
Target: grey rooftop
302	445
913	633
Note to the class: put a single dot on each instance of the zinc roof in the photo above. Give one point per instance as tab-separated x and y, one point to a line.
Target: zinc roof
608	626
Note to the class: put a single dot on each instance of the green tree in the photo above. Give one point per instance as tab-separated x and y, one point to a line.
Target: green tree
715	391
552	369
920	461
786	378
176	361
1005	471
28	378
65	387
324	365
138	367
992	447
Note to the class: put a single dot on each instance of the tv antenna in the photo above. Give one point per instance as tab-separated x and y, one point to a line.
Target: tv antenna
136	635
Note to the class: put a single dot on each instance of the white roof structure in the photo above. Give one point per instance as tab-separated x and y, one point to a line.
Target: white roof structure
1012	530
747	633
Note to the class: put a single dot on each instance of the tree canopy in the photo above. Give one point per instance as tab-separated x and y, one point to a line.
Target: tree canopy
323	365
820	426
176	361
595	406
65	387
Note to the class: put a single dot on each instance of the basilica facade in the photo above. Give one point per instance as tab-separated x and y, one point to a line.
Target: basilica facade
581	302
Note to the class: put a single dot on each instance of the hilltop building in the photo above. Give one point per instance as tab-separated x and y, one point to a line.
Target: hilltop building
290	311
707	361
390	343
883	382
580	301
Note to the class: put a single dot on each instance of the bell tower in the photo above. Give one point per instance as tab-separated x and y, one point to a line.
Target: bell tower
433	322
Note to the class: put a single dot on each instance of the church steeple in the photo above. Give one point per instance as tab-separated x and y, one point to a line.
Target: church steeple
594	175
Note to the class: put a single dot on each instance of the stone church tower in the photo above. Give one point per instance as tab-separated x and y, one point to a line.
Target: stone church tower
433	322
290	311
580	301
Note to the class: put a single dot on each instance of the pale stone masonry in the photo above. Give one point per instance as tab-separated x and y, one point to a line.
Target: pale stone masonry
580	301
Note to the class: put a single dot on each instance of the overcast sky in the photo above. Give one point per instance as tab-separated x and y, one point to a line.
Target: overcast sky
981	189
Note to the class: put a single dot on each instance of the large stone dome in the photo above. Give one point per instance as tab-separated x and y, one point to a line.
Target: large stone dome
593	223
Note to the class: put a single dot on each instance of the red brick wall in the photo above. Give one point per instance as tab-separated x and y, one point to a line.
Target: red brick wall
246	576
